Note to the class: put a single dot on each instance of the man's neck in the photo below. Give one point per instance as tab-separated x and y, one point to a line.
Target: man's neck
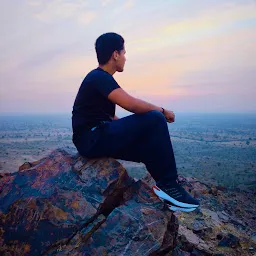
108	69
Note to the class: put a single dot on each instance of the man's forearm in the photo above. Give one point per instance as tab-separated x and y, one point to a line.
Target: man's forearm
142	106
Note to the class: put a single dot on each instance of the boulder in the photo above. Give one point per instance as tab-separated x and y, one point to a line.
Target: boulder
222	225
66	204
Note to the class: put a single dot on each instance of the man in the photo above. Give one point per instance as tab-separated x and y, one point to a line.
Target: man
140	137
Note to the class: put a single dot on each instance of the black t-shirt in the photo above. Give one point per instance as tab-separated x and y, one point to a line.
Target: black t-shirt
91	105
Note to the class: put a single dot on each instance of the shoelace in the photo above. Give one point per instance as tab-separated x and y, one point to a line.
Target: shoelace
176	191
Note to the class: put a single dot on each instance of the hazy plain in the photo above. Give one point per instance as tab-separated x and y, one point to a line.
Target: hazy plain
216	148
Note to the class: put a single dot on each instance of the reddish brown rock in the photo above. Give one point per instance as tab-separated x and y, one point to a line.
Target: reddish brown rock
67	205
223	225
138	227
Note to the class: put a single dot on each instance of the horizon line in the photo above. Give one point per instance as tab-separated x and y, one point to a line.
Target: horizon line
123	112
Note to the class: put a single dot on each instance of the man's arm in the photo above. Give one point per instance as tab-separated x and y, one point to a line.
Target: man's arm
134	105
137	106
115	117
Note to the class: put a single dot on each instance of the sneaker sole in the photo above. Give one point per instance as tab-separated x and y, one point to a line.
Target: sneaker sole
174	209
162	195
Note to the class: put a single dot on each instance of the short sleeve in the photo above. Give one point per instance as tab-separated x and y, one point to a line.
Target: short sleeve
106	84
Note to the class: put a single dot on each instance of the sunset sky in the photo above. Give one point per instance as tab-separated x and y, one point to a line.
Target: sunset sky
187	56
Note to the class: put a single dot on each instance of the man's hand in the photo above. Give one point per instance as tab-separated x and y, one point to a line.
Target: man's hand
169	115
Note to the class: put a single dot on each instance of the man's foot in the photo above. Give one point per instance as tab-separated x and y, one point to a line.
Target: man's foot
175	195
175	208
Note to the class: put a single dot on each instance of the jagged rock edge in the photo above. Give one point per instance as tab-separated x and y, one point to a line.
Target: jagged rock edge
101	210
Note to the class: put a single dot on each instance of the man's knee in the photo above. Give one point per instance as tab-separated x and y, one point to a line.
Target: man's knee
155	115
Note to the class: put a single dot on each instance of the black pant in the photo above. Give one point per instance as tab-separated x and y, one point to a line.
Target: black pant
139	138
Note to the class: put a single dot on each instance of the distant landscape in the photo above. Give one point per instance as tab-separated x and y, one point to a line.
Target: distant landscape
218	149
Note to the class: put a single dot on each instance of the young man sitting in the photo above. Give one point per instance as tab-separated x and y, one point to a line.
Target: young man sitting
140	137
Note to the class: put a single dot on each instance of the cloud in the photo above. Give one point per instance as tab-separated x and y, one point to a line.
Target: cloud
213	22
178	51
34	2
127	5
86	17
55	10
106	2
173	61
209	24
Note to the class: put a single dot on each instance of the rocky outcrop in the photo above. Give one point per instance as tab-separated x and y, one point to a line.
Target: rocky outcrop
224	225
65	204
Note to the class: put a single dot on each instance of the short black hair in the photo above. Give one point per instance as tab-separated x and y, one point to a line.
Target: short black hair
106	44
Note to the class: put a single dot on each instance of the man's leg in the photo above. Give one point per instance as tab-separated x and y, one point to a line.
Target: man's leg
140	138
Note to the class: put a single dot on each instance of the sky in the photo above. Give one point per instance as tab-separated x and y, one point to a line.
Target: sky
183	55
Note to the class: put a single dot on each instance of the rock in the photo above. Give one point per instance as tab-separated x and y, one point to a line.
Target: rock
129	230
149	180
214	191
229	241
212	222
213	216
65	204
194	186
25	166
28	165
198	225
191	242
179	252
223	216
253	239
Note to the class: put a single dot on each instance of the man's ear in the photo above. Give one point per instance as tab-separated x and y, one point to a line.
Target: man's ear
115	55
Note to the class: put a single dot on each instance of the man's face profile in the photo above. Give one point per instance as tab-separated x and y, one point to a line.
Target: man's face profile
120	60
